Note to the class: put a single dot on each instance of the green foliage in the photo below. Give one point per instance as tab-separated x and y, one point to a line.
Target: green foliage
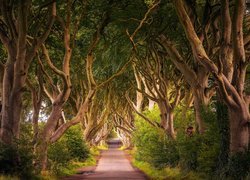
183	118
152	145
75	143
223	125
165	173
71	147
196	153
188	148
71	167
2	177
112	134
149	2
238	167
210	144
200	152
16	159
58	154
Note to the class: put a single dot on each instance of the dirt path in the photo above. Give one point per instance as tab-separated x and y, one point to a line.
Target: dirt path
113	165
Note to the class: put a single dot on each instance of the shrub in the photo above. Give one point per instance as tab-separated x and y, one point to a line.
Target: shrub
200	152
188	148
238	166
152	144
17	159
210	143
77	147
71	147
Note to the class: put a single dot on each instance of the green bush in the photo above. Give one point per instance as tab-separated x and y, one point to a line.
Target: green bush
71	147
152	144
188	148
238	166
77	147
210	144
200	152
17	159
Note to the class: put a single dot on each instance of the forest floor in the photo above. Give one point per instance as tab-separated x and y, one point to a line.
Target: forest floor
112	165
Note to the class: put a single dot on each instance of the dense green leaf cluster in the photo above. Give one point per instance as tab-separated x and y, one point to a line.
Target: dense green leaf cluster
17	159
70	147
152	145
198	153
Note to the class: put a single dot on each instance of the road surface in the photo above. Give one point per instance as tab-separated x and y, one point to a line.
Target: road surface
113	165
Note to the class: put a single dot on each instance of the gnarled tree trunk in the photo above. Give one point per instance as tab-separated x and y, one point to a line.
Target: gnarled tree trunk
239	130
20	56
232	92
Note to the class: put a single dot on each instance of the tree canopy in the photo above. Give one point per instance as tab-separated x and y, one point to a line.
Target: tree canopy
103	64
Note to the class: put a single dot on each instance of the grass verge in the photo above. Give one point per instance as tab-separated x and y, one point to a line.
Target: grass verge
165	173
72	166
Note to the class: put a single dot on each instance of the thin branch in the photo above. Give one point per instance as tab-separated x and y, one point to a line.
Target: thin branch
144	19
4	38
7	13
51	65
178	60
147	95
131	37
155	124
118	73
37	42
78	118
46	33
177	98
2	64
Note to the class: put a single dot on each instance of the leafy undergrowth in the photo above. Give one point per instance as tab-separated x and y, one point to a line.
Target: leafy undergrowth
165	173
72	166
189	156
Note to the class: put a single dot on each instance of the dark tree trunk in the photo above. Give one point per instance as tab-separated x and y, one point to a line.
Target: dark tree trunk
239	135
223	123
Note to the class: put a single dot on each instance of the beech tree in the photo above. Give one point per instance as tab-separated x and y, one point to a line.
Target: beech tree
229	73
21	44
164	85
85	97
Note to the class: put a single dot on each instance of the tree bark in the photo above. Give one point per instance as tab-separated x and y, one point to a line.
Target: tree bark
20	56
139	95
151	103
239	131
198	80
7	133
170	130
47	133
1	92
37	103
167	119
232	92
